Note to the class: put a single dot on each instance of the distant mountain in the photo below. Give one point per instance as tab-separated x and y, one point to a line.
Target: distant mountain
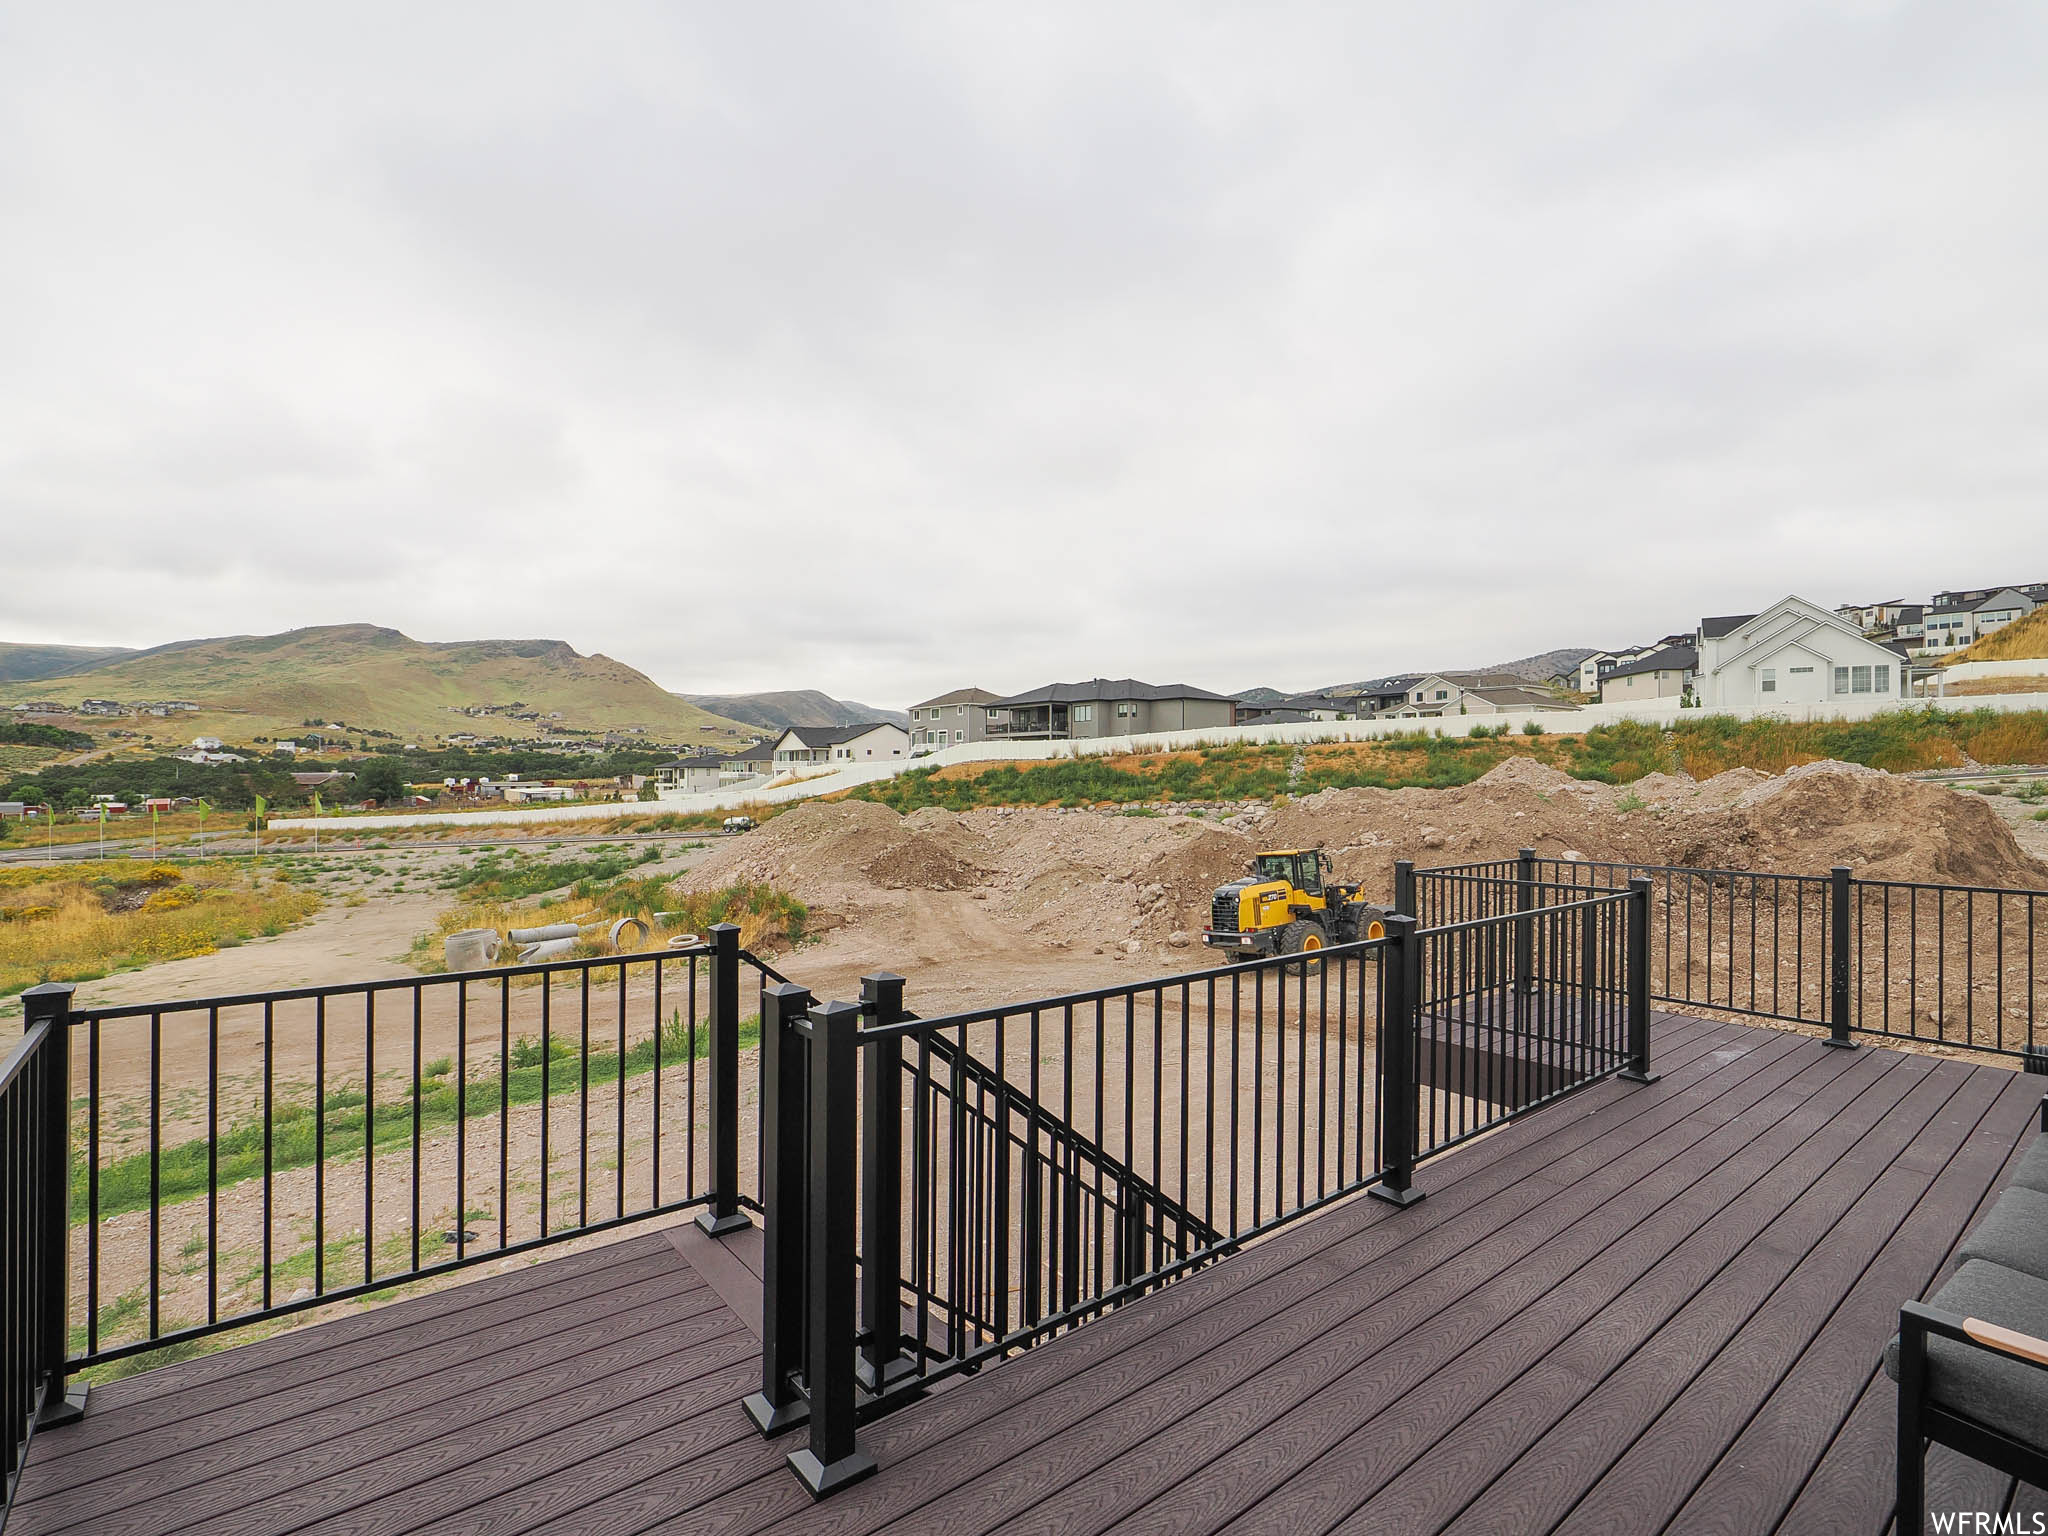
25	663
1543	667
796	706
374	679
1260	696
1536	669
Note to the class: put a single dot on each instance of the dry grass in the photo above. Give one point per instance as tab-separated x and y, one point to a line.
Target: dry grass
2025	639
1967	686
78	924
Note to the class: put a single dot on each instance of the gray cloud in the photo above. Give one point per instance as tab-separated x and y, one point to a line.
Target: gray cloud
888	349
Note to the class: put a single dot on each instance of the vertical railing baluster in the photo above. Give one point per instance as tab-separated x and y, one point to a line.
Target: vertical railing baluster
1638	961
46	1336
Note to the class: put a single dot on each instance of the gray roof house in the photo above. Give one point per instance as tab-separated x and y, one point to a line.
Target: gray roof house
1664	674
1106	707
950	719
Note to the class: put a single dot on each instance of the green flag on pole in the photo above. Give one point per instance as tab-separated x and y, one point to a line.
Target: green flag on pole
317	807
203	809
262	805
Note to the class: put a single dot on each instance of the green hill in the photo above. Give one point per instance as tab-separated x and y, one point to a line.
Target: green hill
373	679
20	663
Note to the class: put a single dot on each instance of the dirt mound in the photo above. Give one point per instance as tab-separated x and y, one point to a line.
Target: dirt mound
1012	882
1885	828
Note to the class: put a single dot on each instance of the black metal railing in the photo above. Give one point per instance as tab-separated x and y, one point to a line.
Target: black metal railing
942	1192
236	1159
1958	965
34	1205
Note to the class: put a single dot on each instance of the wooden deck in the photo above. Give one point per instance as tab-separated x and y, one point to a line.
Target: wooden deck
1641	1309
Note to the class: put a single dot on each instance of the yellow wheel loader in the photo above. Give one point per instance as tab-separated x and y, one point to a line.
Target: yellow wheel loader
1286	906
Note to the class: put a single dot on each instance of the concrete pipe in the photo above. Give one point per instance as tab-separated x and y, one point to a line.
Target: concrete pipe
471	950
684	941
548	949
625	926
542	935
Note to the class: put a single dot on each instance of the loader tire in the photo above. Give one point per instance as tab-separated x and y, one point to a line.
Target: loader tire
1303	937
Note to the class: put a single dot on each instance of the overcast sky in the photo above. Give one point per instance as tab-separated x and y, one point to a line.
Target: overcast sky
886	349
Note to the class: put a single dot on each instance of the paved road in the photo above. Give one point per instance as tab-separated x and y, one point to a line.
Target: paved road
240	844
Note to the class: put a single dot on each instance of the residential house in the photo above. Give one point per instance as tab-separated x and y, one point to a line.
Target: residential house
815	746
332	777
100	707
1472	693
207	743
1377	695
950	719
1794	652
1665	674
41	707
1953	624
1297	709
1106	707
706	773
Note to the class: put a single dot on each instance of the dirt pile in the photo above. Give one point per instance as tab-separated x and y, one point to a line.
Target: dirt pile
939	886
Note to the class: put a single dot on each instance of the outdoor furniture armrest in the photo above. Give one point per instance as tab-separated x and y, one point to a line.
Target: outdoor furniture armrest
1920	1417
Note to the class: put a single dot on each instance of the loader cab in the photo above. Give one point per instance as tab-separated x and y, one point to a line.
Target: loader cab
1301	870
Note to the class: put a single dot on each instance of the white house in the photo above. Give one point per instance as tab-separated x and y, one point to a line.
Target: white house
831	746
1794	652
1471	693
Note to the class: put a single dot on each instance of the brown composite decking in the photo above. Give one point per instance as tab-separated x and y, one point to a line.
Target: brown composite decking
1639	1309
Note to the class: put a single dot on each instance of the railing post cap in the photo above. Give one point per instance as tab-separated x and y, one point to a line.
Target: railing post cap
783	991
831	1014
879	979
50	989
46	998
732	928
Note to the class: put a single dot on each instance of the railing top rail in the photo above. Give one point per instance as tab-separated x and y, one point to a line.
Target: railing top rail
385	984
1132	989
2032	893
1500	919
18	1059
1461	871
1507	882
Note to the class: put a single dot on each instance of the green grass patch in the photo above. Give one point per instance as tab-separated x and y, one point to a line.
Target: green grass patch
560	1069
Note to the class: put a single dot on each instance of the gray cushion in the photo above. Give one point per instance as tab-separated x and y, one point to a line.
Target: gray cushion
1995	1390
2014	1232
2031	1171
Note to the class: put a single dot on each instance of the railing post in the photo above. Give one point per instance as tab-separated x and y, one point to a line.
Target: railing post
1589	970
882	1361
1404	887
779	1405
725	1214
1525	923
51	1003
1400	995
1638	983
1838	957
833	1458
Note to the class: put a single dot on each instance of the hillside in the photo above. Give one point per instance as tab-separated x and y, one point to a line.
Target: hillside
795	706
2022	640
24	663
374	679
1543	667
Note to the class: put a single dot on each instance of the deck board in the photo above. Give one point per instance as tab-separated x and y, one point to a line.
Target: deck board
1639	1308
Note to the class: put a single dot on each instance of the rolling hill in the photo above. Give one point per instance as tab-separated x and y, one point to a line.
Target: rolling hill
24	663
798	706
375	679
